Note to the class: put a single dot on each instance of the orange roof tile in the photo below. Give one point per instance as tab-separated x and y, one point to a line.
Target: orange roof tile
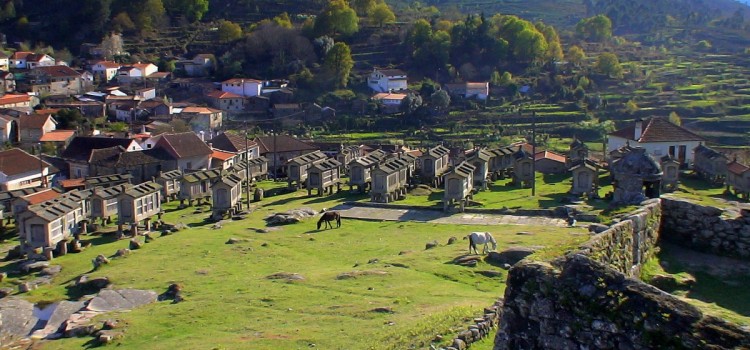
221	155
42	196
222	94
72	183
8	99
549	155
200	110
58	136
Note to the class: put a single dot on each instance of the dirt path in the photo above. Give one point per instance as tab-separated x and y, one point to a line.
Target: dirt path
434	216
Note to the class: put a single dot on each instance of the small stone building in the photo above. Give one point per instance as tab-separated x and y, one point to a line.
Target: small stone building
324	176
258	168
108	180
637	177
523	168
585	179
46	227
738	179
435	163
390	181
481	161
104	202
170	184
138	203
501	162
548	162
197	185
360	170
297	167
710	164
226	194
459	184
670	178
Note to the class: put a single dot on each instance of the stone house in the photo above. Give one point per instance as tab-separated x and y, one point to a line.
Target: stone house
186	148
280	148
459	184
170	184
477	90
7	82
389	103
223	160
19	169
82	150
138	203
387	80
235	143
8	129
324	176
637	177
226	194
56	80
142	166
226	101
297	167
548	162
203	118
738	179
658	137
710	164
33	127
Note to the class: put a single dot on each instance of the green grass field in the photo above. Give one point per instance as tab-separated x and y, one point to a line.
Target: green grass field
231	304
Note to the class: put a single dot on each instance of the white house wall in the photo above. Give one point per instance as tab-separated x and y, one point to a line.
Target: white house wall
656	149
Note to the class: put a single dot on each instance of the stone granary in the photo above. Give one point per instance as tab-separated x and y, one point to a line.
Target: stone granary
170	184
360	170
226	195
197	185
435	163
670	178
47	226
577	153
501	162
710	164
523	173
104	202
297	168
738	179
637	177
138	203
459	184
108	180
585	179
481	161
324	176
390	180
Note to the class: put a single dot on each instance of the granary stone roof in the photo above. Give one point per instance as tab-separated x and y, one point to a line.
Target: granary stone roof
636	162
203	175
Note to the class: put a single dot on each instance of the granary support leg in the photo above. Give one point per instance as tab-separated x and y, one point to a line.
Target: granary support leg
148	224
119	230
84	227
134	229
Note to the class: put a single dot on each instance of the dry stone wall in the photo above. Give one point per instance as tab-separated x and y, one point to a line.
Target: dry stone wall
707	229
592	299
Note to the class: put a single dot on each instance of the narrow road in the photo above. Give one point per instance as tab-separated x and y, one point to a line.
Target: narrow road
438	217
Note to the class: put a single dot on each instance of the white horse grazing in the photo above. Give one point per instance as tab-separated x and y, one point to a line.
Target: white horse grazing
481	238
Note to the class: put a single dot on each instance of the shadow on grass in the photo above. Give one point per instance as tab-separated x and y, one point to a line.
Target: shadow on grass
340	197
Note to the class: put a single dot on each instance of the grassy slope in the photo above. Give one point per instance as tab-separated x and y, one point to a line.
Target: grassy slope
231	305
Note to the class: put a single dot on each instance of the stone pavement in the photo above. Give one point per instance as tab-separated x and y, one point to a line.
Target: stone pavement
438	217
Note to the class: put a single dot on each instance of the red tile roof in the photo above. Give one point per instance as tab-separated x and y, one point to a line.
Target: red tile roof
9	99
72	183
282	143
184	145
58	71
221	155
15	161
657	129
33	121
737	168
241	80
109	64
41	196
549	155
222	94
20	55
35	57
200	110
58	136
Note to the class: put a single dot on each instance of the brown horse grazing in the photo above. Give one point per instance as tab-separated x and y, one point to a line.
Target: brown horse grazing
328	217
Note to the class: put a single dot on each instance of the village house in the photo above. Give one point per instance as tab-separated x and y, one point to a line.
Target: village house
324	176
89	109
170	184
8	129
658	137
18	101
548	162
710	164
138	203
387	80
202	118
297	168
186	148
81	151
360	170
468	90
56	80
201	65
135	72
738	179
226	195
29	60
197	185
19	169
105	71
7	82
226	101
33	127
459	184
222	160
4	61
435	163
389	103
235	143
243	87
59	139
280	148
142	166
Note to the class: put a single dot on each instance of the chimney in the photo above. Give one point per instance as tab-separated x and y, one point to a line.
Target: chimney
638	129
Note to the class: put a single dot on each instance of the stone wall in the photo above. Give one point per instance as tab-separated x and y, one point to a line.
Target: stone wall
629	243
707	229
592	299
578	303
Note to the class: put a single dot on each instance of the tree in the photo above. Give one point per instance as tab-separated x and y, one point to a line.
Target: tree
381	14
674	118
70	119
410	103
575	55
283	21
322	45
339	61
228	31
363	7
150	15
554	49
529	46
193	10
607	63
337	18
597	28
122	23
440	100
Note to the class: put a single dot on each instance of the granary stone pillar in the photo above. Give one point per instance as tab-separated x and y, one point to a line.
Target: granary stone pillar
84	227
62	247
119	230
134	229
49	253
148	224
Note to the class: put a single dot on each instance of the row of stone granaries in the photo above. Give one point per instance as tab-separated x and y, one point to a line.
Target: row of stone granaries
717	168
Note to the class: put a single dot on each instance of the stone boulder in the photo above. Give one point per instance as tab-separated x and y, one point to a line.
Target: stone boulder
431	245
174	293
134	244
598	228
452	240
290	217
16	317
509	256
467	260
117	300
92	284
99	261
32	266
286	276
